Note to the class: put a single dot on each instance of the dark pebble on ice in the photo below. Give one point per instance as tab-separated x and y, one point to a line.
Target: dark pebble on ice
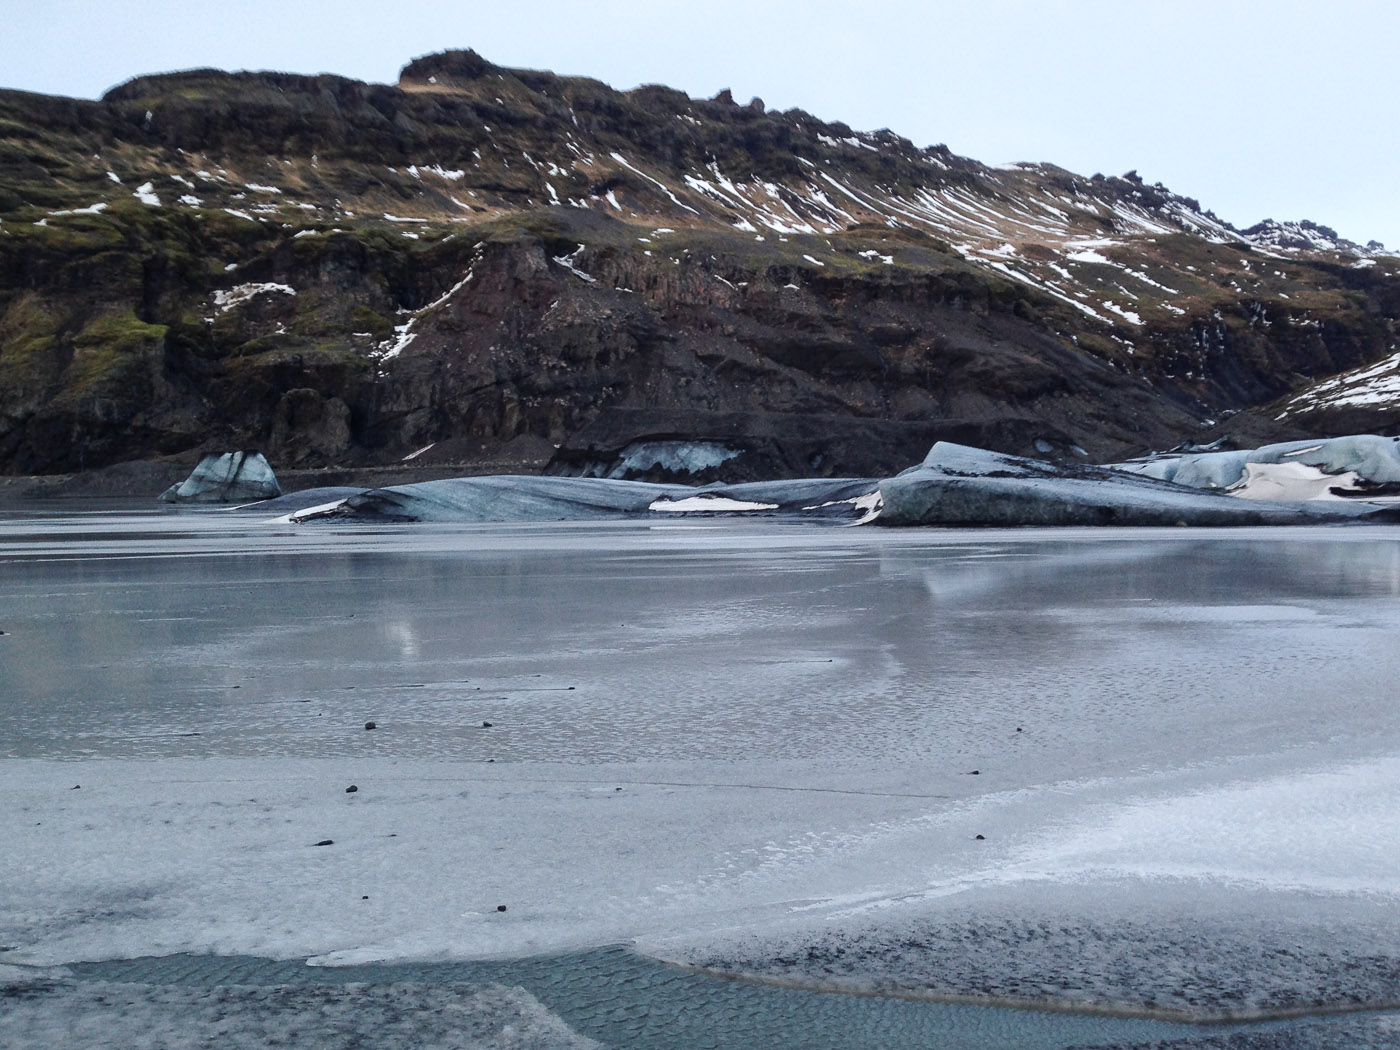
370	725
365	897
485	725
351	789
617	789
500	907
975	773
981	838
75	787
325	842
570	687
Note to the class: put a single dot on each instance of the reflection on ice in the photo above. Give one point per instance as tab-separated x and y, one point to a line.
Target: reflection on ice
749	745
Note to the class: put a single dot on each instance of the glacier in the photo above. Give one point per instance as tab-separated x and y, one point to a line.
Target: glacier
1356	466
1321	482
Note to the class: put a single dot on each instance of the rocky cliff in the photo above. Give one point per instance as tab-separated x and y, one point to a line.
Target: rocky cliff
479	263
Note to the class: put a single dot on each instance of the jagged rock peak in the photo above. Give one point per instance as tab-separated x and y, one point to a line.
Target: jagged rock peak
443	68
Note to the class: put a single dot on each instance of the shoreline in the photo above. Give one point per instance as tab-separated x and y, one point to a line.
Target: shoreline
147	479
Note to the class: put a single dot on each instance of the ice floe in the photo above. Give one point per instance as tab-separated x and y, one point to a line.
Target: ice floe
233	477
1340	480
1361	466
957	485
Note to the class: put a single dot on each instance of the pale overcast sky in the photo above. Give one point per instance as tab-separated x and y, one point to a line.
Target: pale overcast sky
1258	108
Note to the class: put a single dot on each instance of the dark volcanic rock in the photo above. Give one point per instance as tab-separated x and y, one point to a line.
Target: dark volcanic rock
346	273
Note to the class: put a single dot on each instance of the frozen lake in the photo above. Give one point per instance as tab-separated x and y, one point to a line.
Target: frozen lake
1153	771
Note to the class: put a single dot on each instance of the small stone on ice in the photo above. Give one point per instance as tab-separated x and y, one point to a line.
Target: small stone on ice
981	838
370	725
500	907
325	842
351	789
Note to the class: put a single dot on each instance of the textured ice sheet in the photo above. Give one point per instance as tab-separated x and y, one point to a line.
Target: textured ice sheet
1197	951
793	716
92	1015
611	995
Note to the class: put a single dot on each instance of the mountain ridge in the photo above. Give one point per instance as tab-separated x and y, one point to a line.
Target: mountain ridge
343	272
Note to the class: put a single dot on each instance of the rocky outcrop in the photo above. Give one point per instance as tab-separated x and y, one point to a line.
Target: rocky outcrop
480	259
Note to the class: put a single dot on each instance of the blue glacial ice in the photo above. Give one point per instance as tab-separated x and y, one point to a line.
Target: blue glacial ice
958	485
955	485
233	477
511	498
1359	465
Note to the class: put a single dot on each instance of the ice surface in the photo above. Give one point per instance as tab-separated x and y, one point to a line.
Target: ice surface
233	477
77	1016
1201	784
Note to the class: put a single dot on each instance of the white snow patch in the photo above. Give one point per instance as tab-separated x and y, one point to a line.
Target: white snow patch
146	195
708	503
1128	315
664	188
567	261
1290	481
91	209
226	299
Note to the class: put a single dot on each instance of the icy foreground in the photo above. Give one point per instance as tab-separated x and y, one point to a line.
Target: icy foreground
742	745
955	485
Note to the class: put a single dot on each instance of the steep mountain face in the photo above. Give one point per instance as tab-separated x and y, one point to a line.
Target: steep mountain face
481	260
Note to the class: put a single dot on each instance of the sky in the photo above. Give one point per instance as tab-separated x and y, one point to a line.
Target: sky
1258	108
